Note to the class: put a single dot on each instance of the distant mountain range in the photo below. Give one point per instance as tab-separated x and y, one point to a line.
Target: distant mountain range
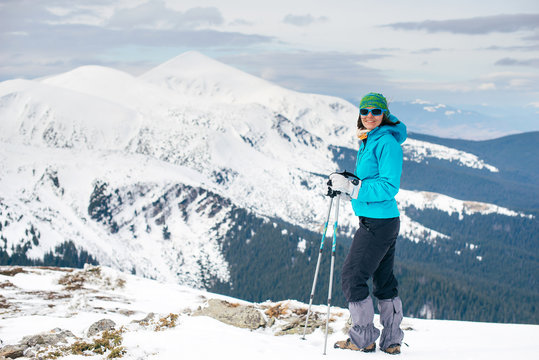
200	174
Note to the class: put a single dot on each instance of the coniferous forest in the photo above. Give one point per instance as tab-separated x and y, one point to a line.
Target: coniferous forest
451	280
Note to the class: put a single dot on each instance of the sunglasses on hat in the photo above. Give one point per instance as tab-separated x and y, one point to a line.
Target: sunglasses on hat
375	112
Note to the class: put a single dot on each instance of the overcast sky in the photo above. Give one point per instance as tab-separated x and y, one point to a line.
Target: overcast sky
463	53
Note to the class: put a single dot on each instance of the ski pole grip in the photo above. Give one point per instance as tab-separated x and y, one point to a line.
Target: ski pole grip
350	176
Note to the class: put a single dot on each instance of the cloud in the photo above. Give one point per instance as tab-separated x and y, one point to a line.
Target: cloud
241	22
532	37
475	25
84	39
348	76
534	47
303	20
515	62
514	81
486	86
54	40
17	16
331	73
426	51
155	15
503	81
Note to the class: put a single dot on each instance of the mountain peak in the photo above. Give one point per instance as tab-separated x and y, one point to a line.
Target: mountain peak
190	61
199	75
89	79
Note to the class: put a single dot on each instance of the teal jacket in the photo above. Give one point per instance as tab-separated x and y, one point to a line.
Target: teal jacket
379	166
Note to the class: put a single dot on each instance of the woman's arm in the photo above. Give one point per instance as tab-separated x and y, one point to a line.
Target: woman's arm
386	185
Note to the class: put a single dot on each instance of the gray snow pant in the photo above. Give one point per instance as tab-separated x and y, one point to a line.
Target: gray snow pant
372	254
363	333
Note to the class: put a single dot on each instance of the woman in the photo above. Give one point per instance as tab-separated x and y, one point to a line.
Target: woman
379	166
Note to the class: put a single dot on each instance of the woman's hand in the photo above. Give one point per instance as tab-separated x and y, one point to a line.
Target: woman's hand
342	184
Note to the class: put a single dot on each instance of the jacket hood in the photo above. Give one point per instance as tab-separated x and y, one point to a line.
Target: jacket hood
398	131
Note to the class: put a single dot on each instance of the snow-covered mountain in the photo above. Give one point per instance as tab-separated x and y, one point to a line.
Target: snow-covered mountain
142	172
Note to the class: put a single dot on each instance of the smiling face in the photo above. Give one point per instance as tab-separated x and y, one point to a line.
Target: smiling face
370	121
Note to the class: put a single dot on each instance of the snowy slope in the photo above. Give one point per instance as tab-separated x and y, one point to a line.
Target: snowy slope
418	151
38	300
196	75
49	191
35	114
175	148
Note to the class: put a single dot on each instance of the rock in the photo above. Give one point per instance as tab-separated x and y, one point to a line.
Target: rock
101	325
51	338
31	352
242	316
146	320
296	325
13	351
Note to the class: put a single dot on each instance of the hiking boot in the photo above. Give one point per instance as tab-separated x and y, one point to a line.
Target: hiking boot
349	345
393	349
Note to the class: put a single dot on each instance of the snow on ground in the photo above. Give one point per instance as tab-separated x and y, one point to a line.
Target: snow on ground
32	301
429	200
418	151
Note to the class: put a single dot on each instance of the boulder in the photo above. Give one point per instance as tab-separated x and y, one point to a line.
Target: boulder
50	338
296	325
13	351
146	320
101	325
242	316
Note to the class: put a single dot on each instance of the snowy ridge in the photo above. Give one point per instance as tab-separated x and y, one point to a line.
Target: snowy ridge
155	320
418	151
119	87
428	200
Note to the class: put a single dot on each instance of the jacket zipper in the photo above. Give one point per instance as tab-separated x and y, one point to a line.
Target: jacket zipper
360	155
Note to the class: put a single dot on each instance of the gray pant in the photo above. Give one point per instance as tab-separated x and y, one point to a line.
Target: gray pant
363	333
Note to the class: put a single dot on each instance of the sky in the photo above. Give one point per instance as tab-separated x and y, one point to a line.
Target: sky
481	54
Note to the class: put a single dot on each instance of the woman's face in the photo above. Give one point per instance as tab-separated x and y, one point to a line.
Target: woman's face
370	121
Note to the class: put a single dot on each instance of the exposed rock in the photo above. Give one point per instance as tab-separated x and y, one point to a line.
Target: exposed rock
11	271
50	338
242	316
126	312
101	325
7	284
4	304
146	320
31	352
296	325
13	351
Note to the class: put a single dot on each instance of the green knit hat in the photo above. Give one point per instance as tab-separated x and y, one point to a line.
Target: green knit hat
374	100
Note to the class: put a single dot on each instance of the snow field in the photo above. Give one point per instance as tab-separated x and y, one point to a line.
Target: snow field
201	337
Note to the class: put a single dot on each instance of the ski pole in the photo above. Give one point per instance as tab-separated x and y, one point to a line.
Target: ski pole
317	267
334	245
